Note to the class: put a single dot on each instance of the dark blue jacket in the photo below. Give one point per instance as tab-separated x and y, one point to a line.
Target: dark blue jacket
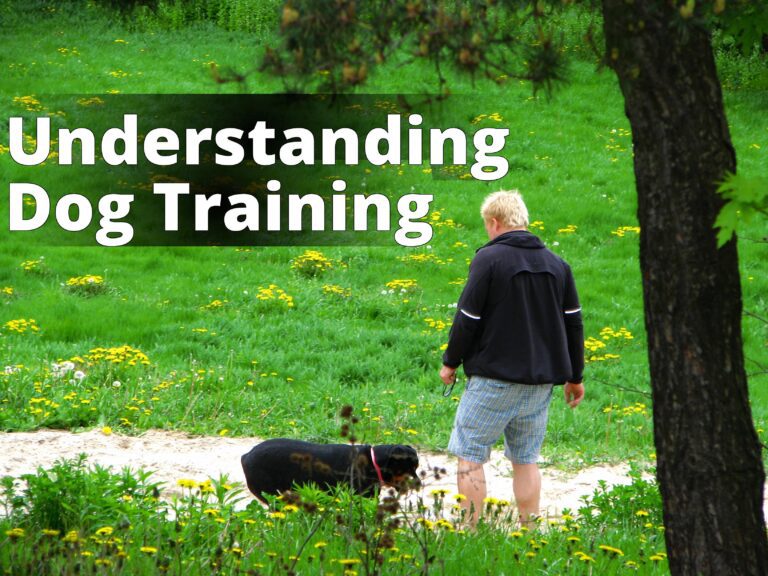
518	318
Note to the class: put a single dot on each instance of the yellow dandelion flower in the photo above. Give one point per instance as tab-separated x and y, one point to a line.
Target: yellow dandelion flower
586	558
71	536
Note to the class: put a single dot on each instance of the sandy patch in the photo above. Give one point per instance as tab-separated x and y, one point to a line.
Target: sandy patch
175	455
559	489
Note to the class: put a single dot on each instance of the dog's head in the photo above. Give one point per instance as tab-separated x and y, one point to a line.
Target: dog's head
398	465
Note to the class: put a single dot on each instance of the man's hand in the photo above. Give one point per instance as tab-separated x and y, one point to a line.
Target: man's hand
448	375
573	393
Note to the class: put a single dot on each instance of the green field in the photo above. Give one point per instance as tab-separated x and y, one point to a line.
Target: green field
226	357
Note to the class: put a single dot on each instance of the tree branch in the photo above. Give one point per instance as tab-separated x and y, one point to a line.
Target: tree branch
753	315
624	388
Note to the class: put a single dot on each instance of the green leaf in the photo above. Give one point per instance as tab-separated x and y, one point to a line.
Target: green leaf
745	196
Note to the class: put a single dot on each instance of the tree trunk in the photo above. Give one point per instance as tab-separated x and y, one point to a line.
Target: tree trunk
708	454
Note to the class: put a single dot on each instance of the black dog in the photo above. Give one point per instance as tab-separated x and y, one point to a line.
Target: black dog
274	466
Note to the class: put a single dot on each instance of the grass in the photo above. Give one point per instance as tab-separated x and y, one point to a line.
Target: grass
223	361
258	367
117	523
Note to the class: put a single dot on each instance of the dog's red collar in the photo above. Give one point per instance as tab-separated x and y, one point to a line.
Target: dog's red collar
376	466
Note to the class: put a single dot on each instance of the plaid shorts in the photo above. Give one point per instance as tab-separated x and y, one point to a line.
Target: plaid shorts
491	407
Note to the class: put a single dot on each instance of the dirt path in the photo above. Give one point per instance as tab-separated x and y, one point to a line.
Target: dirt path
175	455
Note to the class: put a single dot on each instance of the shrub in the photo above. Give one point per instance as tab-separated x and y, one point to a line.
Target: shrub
258	16
636	504
71	496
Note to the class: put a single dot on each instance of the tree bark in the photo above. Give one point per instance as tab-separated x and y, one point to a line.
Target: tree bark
709	464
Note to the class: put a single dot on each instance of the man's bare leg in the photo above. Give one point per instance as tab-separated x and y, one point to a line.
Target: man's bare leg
471	481
527	487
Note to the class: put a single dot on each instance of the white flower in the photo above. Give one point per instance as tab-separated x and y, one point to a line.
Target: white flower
116	384
79	375
11	369
60	369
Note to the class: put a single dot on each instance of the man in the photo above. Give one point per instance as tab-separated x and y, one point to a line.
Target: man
518	331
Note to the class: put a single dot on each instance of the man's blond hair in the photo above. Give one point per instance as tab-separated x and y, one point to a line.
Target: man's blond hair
507	207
